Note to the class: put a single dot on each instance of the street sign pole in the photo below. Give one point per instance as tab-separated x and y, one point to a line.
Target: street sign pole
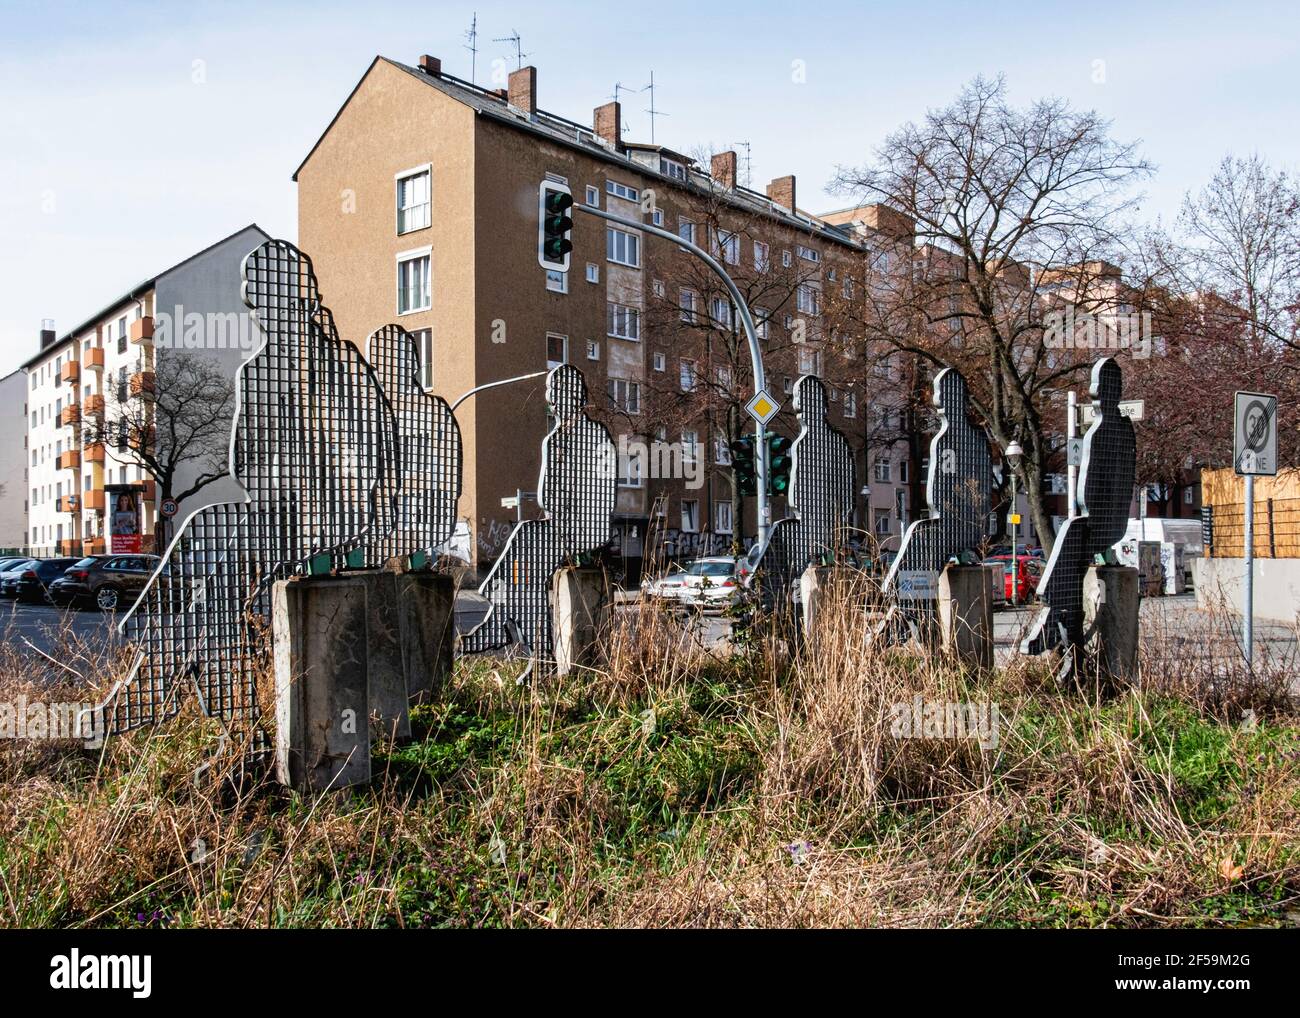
1071	433
751	334
1248	618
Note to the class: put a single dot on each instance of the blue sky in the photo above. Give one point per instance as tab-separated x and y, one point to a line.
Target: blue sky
132	134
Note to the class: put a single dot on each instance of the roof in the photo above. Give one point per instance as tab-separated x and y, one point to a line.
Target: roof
136	292
569	133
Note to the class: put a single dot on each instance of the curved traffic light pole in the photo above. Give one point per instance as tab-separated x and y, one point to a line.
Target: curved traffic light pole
755	351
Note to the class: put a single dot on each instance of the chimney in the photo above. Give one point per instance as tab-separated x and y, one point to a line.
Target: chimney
607	121
523	89
47	332
724	169
781	191
431	66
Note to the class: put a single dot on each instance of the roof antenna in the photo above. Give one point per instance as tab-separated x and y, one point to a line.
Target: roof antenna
652	111
620	87
519	53
472	36
749	176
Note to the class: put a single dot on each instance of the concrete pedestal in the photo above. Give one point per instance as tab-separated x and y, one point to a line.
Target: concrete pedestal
966	614
580	606
812	591
1110	602
322	703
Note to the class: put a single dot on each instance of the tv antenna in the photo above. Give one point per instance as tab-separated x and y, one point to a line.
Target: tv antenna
472	46
652	111
519	53
749	175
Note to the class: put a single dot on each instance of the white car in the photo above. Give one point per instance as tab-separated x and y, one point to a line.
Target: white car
710	582
668	587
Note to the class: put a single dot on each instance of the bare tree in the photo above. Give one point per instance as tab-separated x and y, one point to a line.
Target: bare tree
1016	212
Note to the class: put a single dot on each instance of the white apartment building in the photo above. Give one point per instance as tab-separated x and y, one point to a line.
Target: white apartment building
75	466
13	462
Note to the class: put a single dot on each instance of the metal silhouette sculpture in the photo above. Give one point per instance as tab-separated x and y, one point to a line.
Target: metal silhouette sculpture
576	489
314	445
821	494
424	490
958	493
1106	476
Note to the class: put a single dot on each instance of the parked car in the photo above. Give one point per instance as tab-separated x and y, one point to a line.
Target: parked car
33	583
9	576
1023	579
668	587
9	561
109	582
711	582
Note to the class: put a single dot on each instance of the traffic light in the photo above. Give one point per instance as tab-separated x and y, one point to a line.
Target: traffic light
554	224
742	463
779	462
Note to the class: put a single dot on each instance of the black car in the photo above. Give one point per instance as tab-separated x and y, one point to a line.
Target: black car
109	582
33	584
10	573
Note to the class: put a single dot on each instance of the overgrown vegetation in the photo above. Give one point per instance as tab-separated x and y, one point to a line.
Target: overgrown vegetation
674	788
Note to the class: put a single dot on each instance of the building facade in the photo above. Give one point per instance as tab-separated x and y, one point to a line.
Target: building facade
13	462
92	403
435	227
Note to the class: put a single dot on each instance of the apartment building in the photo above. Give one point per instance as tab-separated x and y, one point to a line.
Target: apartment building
419	205
13	461
91	394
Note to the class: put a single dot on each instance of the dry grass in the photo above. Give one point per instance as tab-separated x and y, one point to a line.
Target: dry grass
674	787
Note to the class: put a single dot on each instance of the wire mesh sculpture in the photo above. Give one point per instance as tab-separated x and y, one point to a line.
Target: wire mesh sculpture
958	494
1105	490
425	489
576	489
314	445
821	495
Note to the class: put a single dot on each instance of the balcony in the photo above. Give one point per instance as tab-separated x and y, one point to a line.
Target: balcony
70	372
142	383
95	453
92	546
150	489
95	499
70	414
142	330
67	504
70	547
94	406
70	460
93	359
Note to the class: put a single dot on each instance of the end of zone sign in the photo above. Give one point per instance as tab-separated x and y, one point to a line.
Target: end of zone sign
1254	433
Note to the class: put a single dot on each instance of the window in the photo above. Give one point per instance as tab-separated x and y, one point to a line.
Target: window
593	196
413	292
557	350
593	272
686	230
121	334
721	450
882	470
657	287
720	312
622	247
690	446
686	375
624	395
902	471
630	470
687	302
657	217
900	503
722	375
807	253
810	362
658	362
672	168
789	385
848	287
593	350
622	191
850	404
760	256
412	200
623	322
557	281
761	315
788	320
690	516
882	522
722	517
808	300
831	274
785	259
726	246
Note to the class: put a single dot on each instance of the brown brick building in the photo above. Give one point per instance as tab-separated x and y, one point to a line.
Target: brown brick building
419	205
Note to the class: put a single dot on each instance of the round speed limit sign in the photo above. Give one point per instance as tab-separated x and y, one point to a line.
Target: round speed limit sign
168	508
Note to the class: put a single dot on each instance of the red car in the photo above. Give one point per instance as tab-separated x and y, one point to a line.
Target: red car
1028	572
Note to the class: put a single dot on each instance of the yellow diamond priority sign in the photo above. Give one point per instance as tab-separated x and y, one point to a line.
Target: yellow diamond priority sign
762	407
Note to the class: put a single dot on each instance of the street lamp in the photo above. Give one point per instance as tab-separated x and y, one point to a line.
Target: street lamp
1014	454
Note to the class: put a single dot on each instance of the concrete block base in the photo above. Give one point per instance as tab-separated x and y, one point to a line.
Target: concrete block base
580	605
966	614
1111	603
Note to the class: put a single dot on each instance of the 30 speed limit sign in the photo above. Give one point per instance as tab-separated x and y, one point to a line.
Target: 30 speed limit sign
1254	433
168	508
